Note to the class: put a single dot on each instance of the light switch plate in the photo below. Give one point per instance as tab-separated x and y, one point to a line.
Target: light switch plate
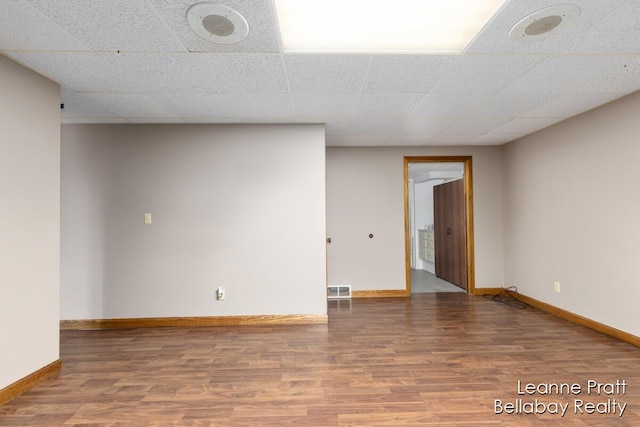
147	218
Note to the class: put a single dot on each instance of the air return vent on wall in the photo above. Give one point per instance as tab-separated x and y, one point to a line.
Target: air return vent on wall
338	291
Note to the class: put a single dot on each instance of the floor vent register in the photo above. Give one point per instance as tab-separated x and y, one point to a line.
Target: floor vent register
338	291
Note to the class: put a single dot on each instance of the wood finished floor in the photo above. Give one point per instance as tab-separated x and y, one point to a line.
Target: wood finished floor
435	359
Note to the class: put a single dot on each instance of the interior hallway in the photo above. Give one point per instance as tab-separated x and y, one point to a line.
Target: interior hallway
424	282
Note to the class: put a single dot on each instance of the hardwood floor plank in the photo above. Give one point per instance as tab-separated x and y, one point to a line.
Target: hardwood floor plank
434	359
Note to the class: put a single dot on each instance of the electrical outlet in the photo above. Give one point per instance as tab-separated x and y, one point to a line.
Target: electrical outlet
556	286
147	218
220	294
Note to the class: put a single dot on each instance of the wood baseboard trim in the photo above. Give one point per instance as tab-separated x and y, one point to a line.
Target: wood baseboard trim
392	293
17	388
192	322
580	320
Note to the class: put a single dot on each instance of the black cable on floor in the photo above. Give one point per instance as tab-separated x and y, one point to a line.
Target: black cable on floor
508	296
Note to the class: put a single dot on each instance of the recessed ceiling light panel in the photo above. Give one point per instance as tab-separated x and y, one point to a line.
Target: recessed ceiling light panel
217	23
382	26
544	23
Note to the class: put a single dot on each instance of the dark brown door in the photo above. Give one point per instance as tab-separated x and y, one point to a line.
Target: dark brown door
450	232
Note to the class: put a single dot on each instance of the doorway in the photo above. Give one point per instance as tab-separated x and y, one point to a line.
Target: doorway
421	175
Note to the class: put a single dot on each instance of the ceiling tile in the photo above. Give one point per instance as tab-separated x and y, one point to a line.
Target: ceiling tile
74	71
229	107
495	139
525	125
444	106
605	42
615	33
485	73
215	73
364	140
408	140
262	37
373	127
326	73
420	168
424	126
124	25
493	93
86	105
324	105
572	104
560	74
386	106
451	140
24	28
139	72
406	73
130	106
242	73
475	126
477	105
495	36
623	18
621	79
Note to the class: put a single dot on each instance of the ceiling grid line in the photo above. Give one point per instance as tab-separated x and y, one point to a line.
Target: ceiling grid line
495	91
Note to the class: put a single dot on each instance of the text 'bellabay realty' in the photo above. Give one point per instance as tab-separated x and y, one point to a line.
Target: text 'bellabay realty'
583	405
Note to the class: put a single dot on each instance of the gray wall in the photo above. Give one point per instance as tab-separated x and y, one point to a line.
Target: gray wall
571	210
365	194
567	213
241	207
29	221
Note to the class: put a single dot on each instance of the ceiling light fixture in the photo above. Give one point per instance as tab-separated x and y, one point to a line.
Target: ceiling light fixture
372	26
217	23
544	23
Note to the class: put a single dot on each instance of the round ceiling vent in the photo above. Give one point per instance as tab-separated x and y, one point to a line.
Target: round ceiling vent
544	23
217	23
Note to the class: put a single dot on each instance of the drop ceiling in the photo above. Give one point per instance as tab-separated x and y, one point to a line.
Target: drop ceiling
426	171
137	61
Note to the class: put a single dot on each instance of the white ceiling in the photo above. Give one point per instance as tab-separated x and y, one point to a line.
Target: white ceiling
427	169
137	61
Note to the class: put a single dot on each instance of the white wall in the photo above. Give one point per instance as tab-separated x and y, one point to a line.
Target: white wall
365	194
241	207
571	211
29	221
424	203
423	193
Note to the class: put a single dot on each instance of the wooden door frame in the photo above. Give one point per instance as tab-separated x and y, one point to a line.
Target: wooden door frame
468	205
